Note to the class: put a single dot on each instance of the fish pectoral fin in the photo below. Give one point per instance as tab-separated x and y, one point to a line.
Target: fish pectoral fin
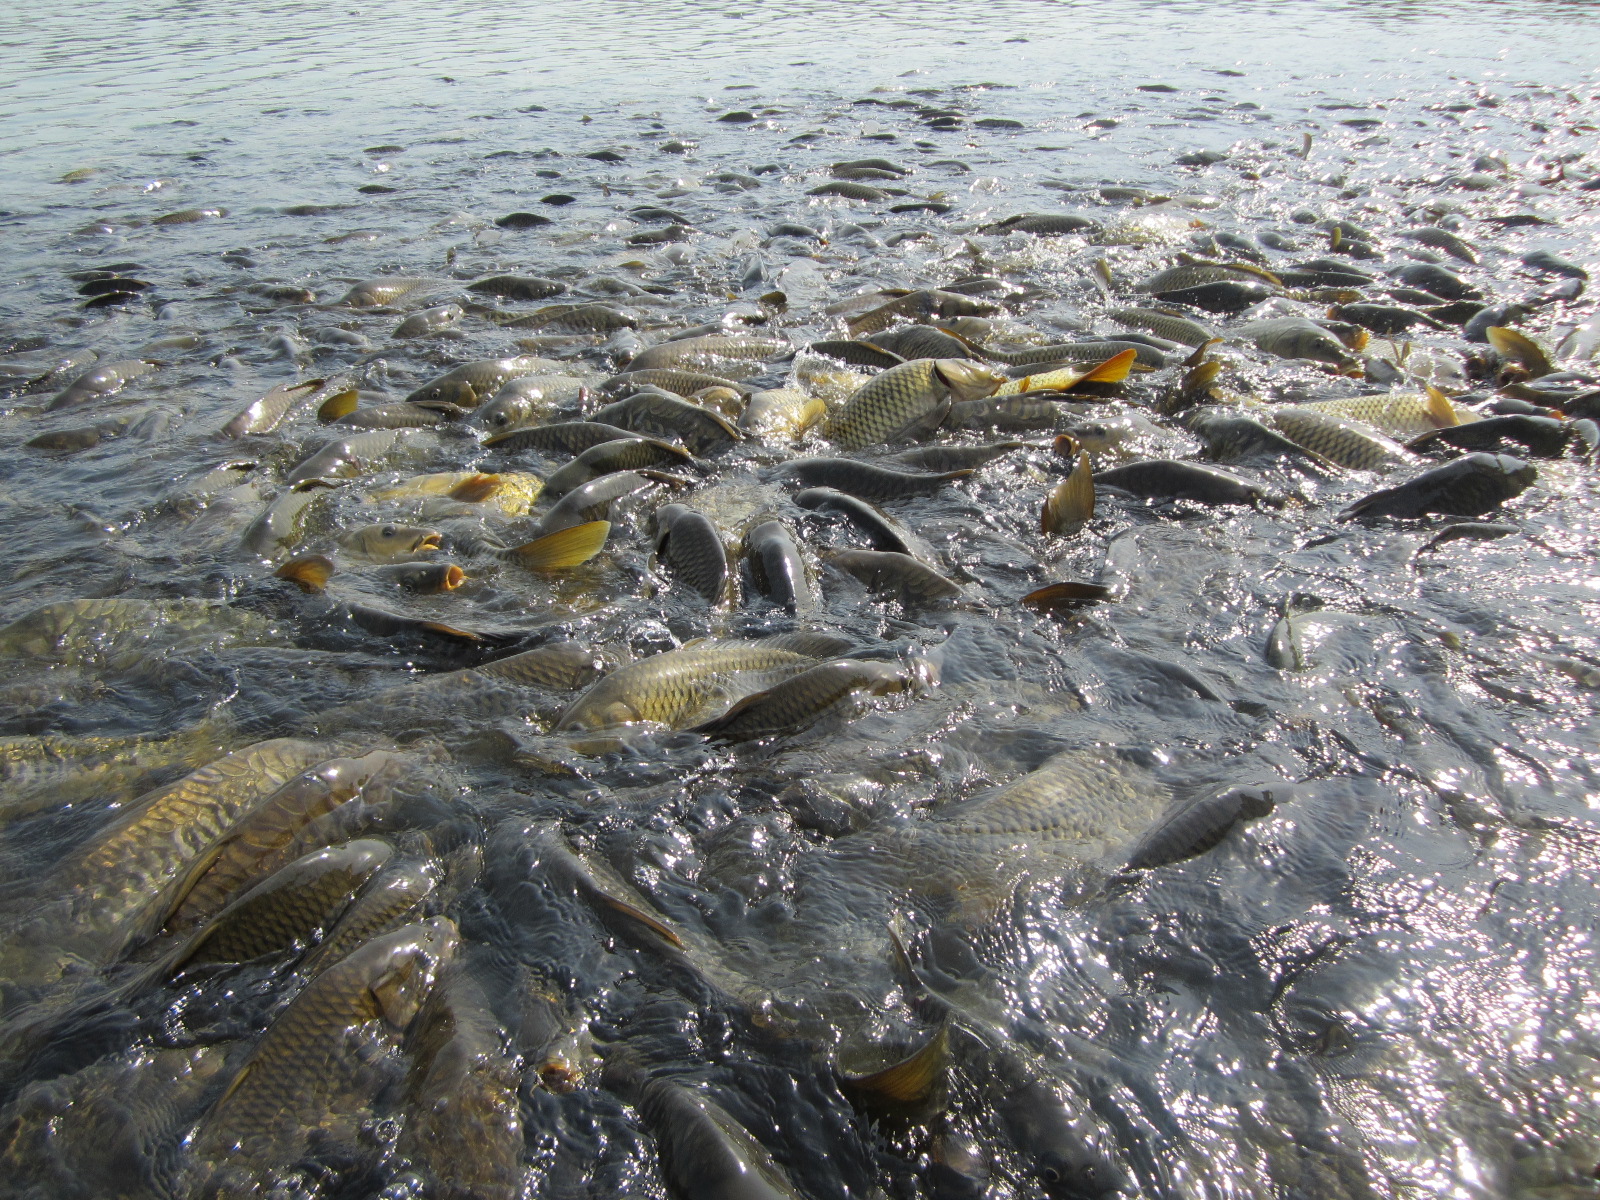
1114	370
565	548
476	488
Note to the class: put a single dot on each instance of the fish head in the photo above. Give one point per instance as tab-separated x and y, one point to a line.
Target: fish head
967	380
508	410
409	962
390	542
427	579
1078	1173
447	391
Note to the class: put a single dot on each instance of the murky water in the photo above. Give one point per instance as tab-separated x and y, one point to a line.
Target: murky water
651	945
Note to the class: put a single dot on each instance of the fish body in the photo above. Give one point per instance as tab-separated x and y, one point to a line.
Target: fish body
1171	326
519	401
777	567
575	318
349	456
899	575
373	293
669	379
1399	414
1543	437
905	400
1169	479
561	437
1464	487
676	688
1296	337
879	529
591	502
517	287
691	545
705	353
430	321
307	1073
265	415
865	480
806	698
1343	440
664	414
472	383
101	383
623	454
785	411
1231	437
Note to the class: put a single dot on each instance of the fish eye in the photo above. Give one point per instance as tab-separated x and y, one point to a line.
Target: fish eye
388	531
498	418
1050	1175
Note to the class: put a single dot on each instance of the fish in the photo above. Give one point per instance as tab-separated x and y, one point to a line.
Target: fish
1064	379
1056	355
1041	224
1464	487
623	454
677	687
517	287
864	479
267	413
374	293
574	318
806	698
470	384
591	502
1342	440
911	342
86	632
899	575
704	353
917	306
101	383
389	542
1172	326
1230	437
399	416
777	568
257	843
878	528
705	1153
1520	349
1070	506
668	379
1441	281
1398	414
564	437
786	411
284	522
1199	274
661	414
521	400
390	899
953	458
1542	437
430	321
1196	825
285	910
905	400
862	354
1387	319
302	1083
1299	338
691	546
510	492
462	1124
346	457
123	881
1169	479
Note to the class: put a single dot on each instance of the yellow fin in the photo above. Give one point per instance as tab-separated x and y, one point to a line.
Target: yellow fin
1114	370
1066	594
910	1081
476	488
1440	411
1071	505
564	548
340	404
638	914
308	572
1520	348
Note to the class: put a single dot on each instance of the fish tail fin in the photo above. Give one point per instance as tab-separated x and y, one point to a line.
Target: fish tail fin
565	548
1071	505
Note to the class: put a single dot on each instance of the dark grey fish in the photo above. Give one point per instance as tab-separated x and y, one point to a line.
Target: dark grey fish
566	437
864	480
1196	825
1170	479
953	458
897	575
1464	487
883	533
777	567
1543	437
692	546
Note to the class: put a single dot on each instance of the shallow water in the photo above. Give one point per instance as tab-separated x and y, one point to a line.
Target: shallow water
1385	987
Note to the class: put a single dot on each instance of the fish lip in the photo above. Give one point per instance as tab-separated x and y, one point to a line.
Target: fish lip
454	577
429	541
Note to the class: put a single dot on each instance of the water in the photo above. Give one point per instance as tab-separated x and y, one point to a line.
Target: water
1385	987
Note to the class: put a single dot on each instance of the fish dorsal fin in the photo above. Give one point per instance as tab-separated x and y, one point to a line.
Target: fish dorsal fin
1440	411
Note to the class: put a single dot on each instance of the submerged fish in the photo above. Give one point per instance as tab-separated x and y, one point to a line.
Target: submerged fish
1464	487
